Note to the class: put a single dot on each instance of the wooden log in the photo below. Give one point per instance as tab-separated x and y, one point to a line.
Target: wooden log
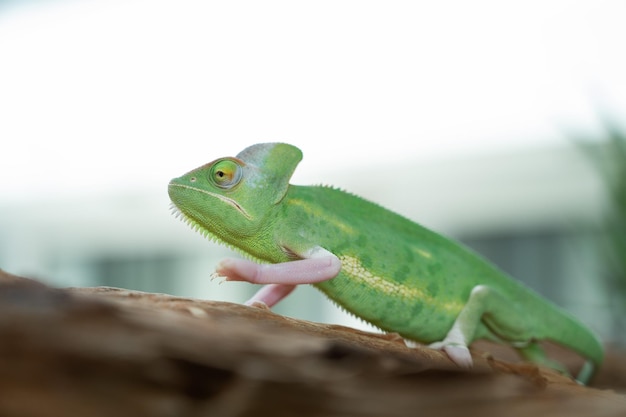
112	352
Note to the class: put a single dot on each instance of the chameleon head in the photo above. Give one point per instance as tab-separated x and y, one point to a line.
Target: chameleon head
230	198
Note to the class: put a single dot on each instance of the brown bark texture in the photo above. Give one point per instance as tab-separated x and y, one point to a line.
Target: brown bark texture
113	352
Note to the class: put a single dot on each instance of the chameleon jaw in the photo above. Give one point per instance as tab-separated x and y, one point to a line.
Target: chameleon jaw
225	199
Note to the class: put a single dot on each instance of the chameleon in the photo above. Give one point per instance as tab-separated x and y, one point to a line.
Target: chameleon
376	264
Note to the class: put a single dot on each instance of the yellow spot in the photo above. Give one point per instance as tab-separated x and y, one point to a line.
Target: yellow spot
352	267
423	253
359	274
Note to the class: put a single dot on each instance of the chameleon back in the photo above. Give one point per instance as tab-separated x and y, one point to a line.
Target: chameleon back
407	279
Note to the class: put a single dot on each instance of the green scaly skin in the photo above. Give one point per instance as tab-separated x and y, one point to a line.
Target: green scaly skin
395	274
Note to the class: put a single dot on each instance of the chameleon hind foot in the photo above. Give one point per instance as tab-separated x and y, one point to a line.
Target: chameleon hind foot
269	295
501	314
457	352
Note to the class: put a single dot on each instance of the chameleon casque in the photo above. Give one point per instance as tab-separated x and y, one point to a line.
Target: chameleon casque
376	264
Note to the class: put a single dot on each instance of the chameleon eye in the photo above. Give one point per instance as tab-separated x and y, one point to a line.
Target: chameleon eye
226	173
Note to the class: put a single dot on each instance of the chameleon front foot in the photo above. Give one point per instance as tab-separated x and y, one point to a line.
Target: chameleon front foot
269	295
281	278
302	271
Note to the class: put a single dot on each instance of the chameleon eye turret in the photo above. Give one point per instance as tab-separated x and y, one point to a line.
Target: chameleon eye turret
226	174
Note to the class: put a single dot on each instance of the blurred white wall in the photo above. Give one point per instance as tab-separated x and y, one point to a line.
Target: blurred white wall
471	104
99	95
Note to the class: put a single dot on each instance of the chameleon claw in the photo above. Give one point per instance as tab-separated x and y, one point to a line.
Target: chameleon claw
216	276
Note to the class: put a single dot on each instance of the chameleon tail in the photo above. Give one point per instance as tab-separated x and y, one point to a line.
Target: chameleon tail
577	337
535	353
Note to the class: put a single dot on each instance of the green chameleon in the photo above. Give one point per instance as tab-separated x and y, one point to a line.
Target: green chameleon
376	264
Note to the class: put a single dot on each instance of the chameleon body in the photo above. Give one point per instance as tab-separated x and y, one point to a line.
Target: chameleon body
376	264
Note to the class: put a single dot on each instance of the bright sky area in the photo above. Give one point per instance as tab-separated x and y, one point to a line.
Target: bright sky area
101	94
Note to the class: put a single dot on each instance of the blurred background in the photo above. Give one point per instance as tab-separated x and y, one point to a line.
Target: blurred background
501	124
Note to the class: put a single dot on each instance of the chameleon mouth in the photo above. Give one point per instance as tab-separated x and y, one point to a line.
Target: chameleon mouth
220	197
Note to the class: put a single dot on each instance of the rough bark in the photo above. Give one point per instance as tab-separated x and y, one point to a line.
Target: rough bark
112	352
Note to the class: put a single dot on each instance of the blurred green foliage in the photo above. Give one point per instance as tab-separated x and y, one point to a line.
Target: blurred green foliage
610	159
